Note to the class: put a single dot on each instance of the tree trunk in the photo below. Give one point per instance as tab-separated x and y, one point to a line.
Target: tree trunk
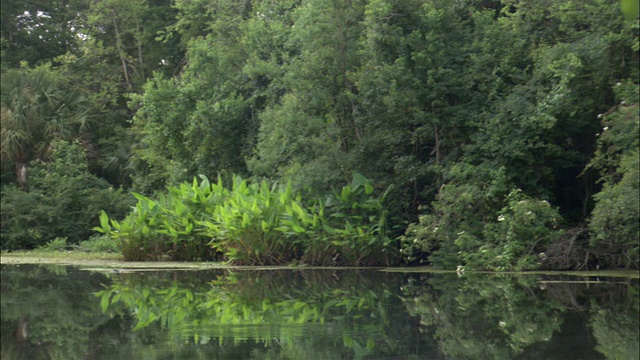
21	175
121	54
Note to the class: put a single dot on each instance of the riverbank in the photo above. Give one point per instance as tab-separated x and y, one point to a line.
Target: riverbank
114	262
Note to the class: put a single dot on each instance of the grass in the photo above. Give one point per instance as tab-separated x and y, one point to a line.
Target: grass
96	248
63	254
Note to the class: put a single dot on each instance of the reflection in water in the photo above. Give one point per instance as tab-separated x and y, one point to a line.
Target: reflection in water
65	313
325	314
48	312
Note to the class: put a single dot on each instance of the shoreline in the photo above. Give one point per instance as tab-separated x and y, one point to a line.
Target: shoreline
98	262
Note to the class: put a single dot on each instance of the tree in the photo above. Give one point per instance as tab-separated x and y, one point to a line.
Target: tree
37	31
37	108
414	108
204	120
308	135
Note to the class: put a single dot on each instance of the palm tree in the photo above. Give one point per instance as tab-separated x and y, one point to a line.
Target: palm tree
36	108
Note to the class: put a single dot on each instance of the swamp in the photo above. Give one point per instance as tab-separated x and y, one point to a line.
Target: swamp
330	179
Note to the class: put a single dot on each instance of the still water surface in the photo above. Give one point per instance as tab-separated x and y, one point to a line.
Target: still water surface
63	312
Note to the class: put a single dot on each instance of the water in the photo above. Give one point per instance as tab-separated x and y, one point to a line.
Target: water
58	312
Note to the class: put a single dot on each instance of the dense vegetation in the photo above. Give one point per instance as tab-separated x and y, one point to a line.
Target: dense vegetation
497	135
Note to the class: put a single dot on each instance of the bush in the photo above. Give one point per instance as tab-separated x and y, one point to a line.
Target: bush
57	244
614	226
478	224
257	224
169	226
470	198
614	221
63	200
100	244
516	240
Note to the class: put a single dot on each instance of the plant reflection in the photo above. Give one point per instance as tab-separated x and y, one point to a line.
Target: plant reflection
346	312
51	312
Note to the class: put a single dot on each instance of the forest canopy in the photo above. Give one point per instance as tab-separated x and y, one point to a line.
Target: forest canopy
498	135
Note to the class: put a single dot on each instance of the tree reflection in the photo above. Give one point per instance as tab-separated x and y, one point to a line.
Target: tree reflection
51	312
616	327
479	316
48	312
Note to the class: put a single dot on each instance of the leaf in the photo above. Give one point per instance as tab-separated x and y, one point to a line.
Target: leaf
104	221
205	183
104	301
298	229
298	305
368	189
370	344
345	194
358	180
140	197
347	340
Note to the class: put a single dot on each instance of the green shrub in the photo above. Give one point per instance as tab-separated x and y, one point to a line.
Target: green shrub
57	244
614	221
168	226
614	225
478	224
101	243
256	224
471	197
63	200
247	226
516	240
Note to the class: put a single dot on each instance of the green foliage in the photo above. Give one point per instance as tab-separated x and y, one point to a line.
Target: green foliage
167	226
38	107
37	31
411	93
63	201
524	228
471	197
482	227
256	224
244	227
102	243
57	244
614	220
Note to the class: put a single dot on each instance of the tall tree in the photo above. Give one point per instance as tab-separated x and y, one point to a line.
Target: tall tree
201	121
309	135
37	31
37	108
415	109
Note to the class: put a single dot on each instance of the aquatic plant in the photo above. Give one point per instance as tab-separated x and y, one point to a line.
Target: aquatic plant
256	224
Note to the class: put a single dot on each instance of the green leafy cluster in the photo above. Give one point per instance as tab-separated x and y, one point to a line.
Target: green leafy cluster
513	239
167	226
517	238
614	223
256	224
63	201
